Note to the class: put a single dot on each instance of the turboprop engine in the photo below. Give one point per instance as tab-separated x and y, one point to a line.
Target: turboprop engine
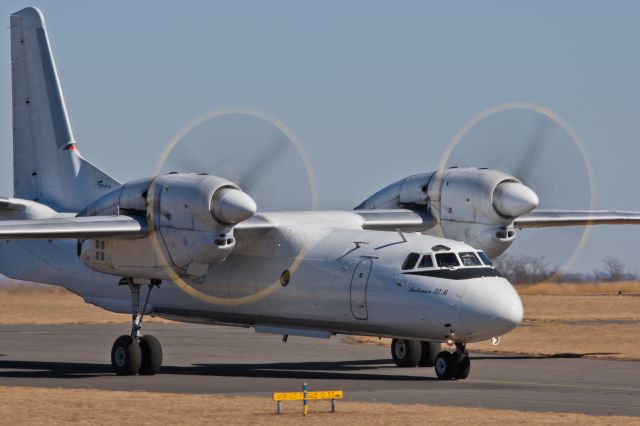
190	219
476	206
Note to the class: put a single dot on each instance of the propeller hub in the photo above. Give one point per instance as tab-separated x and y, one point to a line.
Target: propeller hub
513	199
231	206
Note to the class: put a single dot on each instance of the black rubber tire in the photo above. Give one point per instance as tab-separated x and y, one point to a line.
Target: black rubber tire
126	356
151	355
464	368
428	355
445	365
406	353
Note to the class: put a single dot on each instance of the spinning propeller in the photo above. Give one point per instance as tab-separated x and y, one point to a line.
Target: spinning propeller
251	149
537	147
261	164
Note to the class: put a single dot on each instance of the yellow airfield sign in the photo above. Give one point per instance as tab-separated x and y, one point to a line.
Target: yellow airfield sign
299	396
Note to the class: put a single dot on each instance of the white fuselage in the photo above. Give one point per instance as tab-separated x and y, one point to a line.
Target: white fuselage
342	280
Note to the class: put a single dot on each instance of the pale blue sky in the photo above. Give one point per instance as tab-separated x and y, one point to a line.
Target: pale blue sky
373	90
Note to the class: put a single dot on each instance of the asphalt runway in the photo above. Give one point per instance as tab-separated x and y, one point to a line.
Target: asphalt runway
234	361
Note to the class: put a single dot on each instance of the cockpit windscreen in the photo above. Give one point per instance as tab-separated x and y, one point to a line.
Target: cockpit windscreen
485	258
469	258
447	260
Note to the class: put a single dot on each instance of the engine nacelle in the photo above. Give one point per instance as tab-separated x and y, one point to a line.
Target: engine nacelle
476	206
191	219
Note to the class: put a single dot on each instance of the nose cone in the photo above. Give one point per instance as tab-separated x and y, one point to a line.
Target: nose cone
490	307
513	199
232	206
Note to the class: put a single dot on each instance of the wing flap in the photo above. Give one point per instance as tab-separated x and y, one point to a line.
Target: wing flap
557	218
73	228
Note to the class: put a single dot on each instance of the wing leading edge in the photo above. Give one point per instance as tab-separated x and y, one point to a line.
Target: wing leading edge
557	218
73	228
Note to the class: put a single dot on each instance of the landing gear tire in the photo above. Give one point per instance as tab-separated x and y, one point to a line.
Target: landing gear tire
429	352
406	353
151	355
136	353
464	367
126	356
445	365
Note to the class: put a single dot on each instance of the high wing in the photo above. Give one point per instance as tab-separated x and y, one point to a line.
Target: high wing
73	227
557	218
122	226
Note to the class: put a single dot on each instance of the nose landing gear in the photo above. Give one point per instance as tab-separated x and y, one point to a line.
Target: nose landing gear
136	353
456	365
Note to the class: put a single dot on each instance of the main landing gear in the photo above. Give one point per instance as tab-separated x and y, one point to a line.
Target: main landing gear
136	353
411	353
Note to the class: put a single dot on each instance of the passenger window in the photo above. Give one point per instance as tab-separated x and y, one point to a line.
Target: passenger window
470	259
426	261
447	260
485	258
410	261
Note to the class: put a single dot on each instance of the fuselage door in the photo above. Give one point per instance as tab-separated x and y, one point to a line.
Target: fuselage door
358	292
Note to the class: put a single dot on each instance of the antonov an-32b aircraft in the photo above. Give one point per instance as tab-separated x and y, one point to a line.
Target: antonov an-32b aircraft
192	247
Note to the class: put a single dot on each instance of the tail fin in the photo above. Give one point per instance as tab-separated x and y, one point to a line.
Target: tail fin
47	165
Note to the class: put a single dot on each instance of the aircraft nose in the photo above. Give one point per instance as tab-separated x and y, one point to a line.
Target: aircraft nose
490	308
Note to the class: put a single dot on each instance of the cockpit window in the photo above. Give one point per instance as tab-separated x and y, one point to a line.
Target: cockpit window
426	261
470	259
485	258
410	261
447	260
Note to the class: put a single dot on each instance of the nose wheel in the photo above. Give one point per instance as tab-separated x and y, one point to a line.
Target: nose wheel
456	365
135	353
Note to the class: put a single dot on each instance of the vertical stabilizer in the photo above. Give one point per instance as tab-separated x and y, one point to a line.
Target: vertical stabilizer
47	165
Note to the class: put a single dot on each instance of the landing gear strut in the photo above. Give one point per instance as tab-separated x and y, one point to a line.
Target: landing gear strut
456	365
136	353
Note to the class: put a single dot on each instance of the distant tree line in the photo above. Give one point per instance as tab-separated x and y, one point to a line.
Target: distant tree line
530	270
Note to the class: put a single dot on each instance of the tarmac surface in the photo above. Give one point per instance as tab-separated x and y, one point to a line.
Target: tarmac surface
236	361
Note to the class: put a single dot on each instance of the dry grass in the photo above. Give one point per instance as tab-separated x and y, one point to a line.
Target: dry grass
581	308
37	406
53	305
571	289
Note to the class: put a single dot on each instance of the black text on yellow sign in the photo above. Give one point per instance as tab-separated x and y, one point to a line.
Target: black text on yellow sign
298	396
